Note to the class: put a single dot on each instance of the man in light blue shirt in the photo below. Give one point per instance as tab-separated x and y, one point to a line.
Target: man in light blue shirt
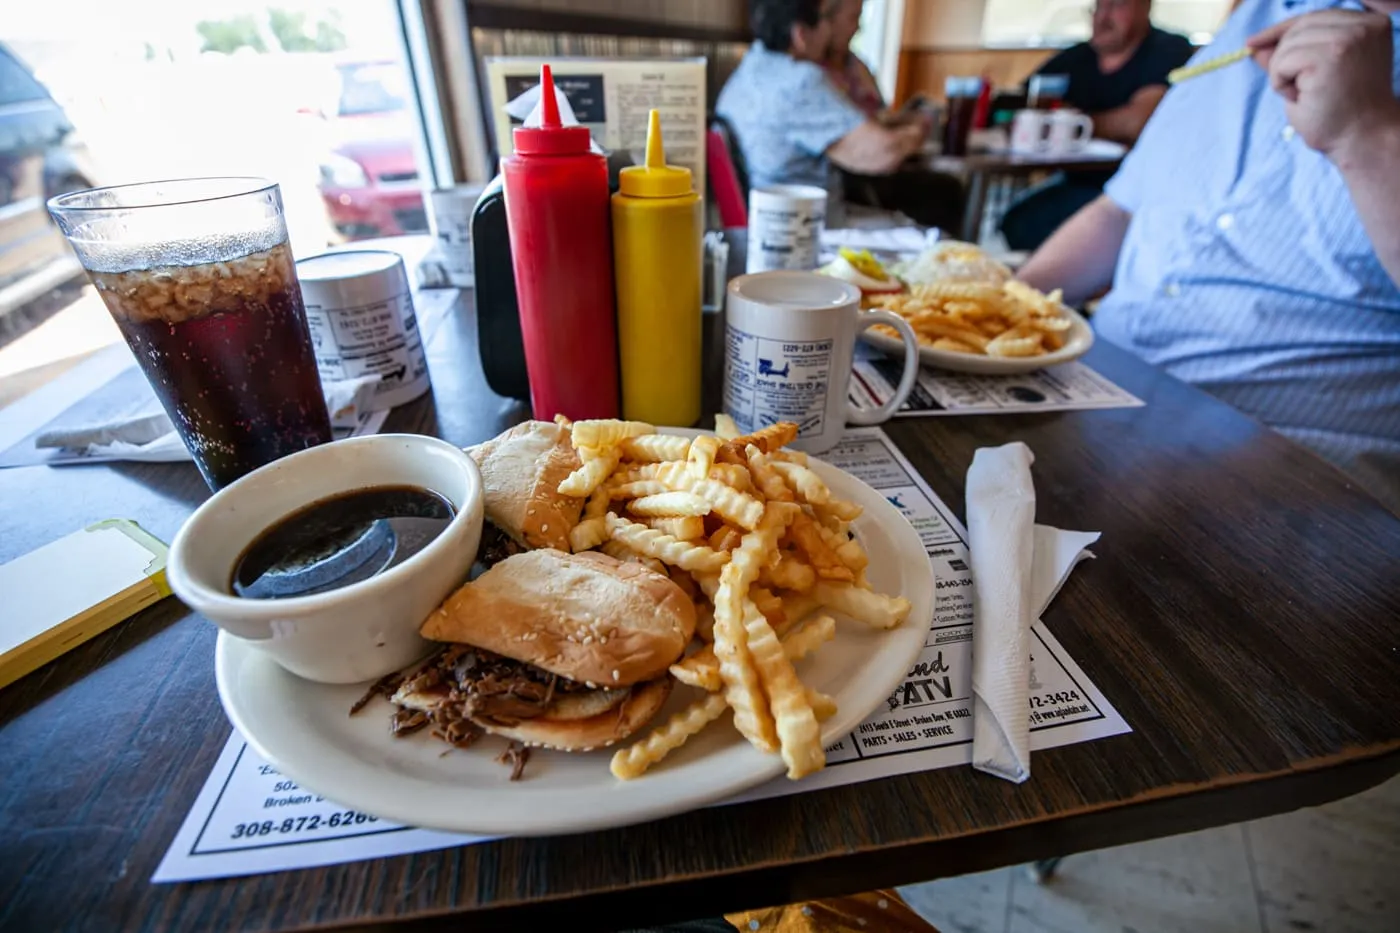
1252	237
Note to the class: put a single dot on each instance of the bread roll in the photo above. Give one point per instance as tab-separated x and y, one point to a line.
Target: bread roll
521	471
583	735
586	617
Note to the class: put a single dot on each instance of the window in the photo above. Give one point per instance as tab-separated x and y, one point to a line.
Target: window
374	88
1062	22
877	41
314	94
16	86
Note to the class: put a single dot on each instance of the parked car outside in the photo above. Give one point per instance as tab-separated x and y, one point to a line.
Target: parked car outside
369	178
41	156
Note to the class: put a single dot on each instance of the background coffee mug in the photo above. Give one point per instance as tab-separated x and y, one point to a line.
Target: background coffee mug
1070	131
789	343
1030	131
785	227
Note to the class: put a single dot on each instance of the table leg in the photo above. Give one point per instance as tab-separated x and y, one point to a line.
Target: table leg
976	204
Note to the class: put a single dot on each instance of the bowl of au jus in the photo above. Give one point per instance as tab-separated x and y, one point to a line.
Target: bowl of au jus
329	560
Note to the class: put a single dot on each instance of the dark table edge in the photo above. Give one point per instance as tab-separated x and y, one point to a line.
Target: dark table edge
1166	812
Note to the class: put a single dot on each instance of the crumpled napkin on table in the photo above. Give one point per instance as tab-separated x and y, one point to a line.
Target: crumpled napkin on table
151	438
1017	568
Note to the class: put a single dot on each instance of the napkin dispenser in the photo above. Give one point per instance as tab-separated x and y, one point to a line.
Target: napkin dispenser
497	309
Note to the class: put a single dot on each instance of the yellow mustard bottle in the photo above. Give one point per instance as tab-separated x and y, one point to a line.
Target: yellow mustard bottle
656	229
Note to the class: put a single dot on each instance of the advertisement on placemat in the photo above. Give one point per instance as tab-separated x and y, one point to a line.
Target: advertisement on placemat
1066	387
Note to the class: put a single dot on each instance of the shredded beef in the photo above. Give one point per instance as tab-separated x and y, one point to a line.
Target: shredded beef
501	691
475	686
453	727
407	722
385	686
496	546
515	755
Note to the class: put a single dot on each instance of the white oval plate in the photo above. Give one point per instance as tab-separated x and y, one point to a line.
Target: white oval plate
1077	343
304	729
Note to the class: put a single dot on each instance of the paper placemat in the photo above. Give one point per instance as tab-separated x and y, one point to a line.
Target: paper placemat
1067	387
250	819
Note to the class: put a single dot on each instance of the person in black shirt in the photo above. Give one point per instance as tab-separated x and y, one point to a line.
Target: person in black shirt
1117	78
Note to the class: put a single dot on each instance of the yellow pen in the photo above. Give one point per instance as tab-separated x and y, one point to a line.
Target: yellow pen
1176	76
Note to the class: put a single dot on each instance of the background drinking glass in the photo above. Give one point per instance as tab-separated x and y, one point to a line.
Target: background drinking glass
199	277
1046	92
962	94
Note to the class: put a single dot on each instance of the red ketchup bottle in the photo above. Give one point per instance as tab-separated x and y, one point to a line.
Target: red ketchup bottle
557	209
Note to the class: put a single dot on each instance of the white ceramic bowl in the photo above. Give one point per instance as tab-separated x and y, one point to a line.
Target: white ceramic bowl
357	632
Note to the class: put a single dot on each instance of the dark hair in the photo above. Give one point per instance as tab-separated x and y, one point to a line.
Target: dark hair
772	20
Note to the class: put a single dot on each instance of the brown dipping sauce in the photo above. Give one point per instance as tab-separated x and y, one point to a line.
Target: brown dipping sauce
339	541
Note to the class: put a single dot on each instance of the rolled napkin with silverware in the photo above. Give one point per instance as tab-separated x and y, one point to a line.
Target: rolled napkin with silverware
1017	568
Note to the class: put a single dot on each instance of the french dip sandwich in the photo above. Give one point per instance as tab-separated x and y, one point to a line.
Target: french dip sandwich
548	648
564	651
520	475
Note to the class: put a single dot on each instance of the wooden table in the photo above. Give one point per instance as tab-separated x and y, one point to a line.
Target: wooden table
1241	615
980	168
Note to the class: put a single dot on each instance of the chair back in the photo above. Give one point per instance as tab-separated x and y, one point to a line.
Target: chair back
728	188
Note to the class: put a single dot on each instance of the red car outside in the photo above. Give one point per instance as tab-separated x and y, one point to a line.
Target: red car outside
369	179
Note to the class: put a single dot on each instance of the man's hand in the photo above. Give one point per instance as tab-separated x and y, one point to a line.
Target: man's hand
925	124
1333	69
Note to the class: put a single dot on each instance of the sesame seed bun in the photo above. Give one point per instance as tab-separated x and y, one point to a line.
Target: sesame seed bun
587	617
520	474
584	735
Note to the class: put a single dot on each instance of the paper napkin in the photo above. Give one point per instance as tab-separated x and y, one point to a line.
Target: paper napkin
151	438
1017	568
527	109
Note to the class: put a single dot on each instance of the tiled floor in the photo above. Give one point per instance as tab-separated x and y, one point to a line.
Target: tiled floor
1332	869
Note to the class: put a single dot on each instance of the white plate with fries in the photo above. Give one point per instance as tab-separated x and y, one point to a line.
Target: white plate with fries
996	330
304	729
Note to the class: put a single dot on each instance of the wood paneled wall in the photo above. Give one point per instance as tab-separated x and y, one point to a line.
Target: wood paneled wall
944	37
731	14
943	24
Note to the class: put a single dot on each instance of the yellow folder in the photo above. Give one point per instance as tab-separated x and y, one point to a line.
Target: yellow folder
64	593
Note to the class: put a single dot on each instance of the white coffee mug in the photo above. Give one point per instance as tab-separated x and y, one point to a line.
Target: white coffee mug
1070	131
790	340
785	227
1030	132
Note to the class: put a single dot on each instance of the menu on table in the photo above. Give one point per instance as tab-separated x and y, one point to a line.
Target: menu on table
1066	387
249	818
612	97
